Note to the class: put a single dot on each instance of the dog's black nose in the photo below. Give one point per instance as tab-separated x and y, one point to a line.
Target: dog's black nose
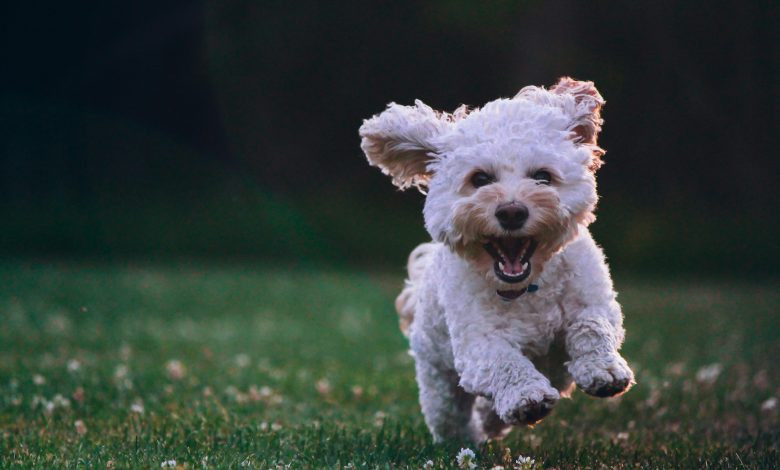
512	215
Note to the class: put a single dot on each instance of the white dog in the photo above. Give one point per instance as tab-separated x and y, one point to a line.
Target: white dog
513	302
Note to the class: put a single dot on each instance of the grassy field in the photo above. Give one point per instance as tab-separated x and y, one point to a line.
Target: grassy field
224	366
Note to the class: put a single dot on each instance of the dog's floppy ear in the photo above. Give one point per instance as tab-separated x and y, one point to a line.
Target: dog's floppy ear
586	113
400	142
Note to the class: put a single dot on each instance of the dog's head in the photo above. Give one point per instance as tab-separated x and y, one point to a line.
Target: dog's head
507	185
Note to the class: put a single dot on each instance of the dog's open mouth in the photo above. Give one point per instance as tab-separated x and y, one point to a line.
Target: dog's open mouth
512	257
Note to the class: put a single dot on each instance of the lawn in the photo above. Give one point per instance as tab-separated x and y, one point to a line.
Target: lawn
115	366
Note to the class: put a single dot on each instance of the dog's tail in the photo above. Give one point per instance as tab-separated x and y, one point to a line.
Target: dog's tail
407	299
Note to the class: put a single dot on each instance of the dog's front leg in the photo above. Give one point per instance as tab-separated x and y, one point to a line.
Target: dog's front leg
592	342
445	405
491	365
594	326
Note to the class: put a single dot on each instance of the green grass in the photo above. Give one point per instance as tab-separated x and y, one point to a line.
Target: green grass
307	368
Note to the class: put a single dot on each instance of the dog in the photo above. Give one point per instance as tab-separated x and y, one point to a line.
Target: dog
512	302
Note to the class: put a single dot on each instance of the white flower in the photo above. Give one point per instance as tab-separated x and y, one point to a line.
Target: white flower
49	406
38	379
137	407
379	418
769	405
74	365
428	464
242	360
61	401
120	372
709	374
524	463
323	386
122	377
175	369
81	428
168	463
466	458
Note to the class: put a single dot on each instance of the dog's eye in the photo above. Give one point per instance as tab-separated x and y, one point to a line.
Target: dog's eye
481	178
542	176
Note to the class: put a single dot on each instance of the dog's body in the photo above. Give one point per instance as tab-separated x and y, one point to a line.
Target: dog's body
513	302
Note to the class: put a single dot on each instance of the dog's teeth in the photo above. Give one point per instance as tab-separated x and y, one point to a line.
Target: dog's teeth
500	265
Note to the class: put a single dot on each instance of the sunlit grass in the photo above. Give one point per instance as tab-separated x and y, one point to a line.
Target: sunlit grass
224	366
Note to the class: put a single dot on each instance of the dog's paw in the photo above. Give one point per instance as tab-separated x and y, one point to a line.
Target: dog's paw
527	405
602	375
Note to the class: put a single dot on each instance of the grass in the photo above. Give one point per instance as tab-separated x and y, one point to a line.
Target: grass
229	366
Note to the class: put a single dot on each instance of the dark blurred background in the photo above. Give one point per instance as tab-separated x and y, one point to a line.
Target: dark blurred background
228	129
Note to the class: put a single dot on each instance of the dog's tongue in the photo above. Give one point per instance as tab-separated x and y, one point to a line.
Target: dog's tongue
513	267
512	249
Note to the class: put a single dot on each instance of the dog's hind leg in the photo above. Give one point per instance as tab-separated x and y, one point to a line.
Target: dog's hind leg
445	405
485	423
406	301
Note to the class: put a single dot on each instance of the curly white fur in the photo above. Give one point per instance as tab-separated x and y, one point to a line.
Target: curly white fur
484	362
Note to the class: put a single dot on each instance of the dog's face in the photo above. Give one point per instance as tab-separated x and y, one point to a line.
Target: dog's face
507	184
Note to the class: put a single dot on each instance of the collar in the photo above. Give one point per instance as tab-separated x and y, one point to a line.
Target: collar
509	295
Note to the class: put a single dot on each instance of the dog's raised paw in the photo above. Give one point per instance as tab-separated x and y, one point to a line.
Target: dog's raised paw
616	387
531	406
602	376
533	412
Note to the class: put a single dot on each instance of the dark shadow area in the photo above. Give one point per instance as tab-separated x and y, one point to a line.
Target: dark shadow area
228	129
